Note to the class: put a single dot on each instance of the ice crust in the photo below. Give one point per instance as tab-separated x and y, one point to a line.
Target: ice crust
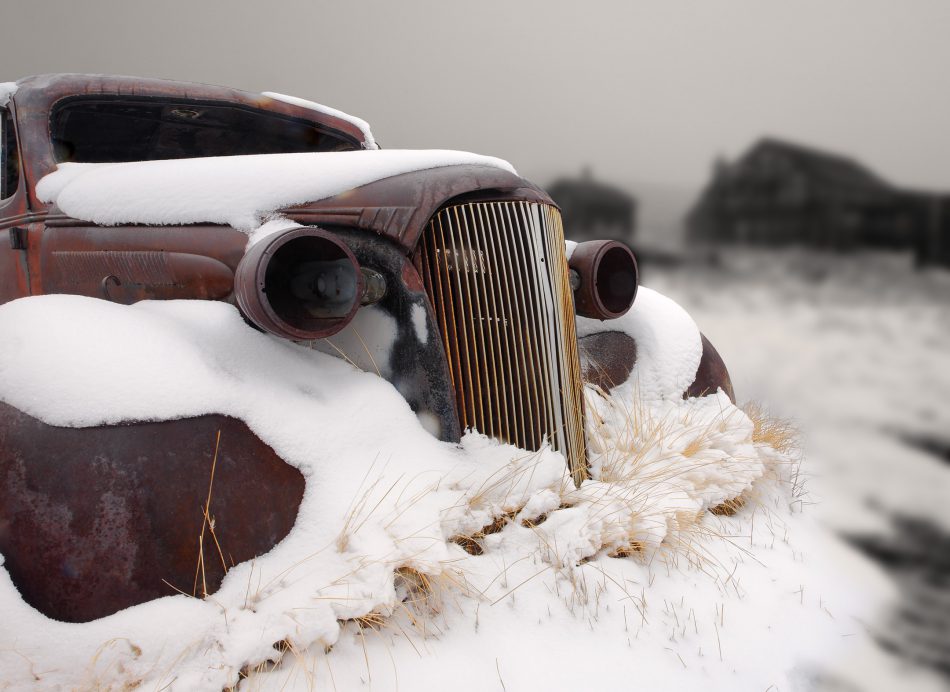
242	191
705	602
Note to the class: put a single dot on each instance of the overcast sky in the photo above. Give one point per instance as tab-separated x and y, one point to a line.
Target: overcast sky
644	91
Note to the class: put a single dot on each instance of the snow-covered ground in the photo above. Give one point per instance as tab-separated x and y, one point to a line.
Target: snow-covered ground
856	350
417	564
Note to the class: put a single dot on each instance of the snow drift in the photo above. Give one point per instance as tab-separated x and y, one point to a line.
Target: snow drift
411	557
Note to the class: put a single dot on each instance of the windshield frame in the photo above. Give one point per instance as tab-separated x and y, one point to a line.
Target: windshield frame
336	140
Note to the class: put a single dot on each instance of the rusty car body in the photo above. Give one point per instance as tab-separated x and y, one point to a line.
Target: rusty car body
481	250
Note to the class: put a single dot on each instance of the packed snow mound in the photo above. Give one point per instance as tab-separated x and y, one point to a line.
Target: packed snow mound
241	191
412	558
369	142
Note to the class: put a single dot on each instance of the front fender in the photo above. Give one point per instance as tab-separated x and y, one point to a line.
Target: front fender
656	348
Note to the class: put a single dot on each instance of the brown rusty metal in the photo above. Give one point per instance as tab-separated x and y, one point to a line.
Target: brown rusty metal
124	276
163	262
711	374
607	358
608	279
95	520
401	206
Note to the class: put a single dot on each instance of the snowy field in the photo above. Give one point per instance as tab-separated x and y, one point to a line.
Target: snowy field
856	351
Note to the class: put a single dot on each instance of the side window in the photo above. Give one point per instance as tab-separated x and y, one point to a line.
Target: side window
9	156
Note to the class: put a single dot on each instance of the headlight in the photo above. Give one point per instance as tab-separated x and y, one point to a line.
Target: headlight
606	279
302	284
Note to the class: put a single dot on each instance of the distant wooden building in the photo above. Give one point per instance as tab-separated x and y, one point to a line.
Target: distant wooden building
779	193
933	222
593	210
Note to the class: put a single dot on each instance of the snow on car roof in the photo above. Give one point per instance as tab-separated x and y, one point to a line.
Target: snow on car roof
369	142
241	191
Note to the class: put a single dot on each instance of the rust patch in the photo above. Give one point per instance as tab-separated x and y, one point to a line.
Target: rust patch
94	520
607	358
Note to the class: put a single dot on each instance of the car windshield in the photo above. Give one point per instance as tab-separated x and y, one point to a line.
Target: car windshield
98	130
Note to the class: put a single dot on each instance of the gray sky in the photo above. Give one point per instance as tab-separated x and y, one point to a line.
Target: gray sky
643	91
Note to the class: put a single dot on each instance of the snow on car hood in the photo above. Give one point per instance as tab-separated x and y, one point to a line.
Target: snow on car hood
241	191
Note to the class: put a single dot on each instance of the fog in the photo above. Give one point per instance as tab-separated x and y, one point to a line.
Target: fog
645	92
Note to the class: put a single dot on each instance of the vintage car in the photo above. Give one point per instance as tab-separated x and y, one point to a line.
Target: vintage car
471	252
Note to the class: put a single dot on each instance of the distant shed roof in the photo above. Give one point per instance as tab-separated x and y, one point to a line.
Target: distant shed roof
827	168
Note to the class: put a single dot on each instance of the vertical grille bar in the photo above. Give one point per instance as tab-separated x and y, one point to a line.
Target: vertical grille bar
517	366
497	277
535	378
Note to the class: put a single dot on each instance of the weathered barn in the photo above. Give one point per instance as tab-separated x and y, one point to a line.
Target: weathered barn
779	193
593	210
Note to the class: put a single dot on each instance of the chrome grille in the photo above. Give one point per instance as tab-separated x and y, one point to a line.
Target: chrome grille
497	277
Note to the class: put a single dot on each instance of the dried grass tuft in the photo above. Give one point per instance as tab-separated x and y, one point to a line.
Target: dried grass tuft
532	522
634	548
777	433
472	544
729	507
372	620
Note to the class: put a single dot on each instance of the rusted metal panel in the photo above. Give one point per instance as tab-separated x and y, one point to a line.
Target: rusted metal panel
401	206
95	520
125	276
14	271
607	358
162	262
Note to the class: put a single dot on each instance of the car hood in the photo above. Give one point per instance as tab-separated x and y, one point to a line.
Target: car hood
241	191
